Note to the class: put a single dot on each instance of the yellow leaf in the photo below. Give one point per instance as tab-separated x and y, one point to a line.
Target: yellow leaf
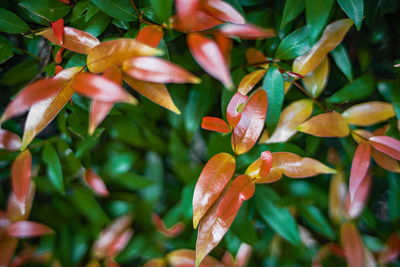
326	125
369	113
331	37
316	81
250	80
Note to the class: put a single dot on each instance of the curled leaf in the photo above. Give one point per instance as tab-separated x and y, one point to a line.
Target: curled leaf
325	125
246	31
250	80
95	183
234	109
150	35
261	167
369	113
222	10
24	229
173	231
215	124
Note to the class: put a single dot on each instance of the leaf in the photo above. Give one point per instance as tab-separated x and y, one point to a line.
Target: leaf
31	95
352	244
186	257
115	52
163	9
250	80
119	243
293	166
21	176
54	170
337	194
225	45
207	54
215	124
150	35
291	117
222	10
331	37
316	81
359	167
261	167
295	44
385	161
369	113
243	255
355	206
392	250
11	23
156	70
159	262
387	145
246	31
317	14
95	183
156	92
354	9
24	229
314	217
168	232
219	218
233	114
75	40
251	123
330	124
278	218
9	140
293	8
213	178
254	57
6	52
199	20
188	13
342	60
119	9
17	210
58	29
8	245
360	88
50	10
273	86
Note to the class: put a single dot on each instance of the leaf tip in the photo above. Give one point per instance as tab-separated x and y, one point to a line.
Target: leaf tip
195	80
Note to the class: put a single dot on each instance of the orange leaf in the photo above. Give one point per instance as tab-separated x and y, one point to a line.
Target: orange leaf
215	124
224	44
115	52
234	109
337	194
208	55
317	80
23	229
157	70
246	31
17	210
250	80
213	178
119	243
354	207
95	183
110	262
58	59
387	145
254	57
222	10
186	258
293	166
58	29
291	117
203	22
21	176
159	262
251	123
325	125
369	113
385	161
8	245
261	167
359	167
331	37
352	245
74	40
156	92
150	35
186	12
392	250
9	140
169	232
32	94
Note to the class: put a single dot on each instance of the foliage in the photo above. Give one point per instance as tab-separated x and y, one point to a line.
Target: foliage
146	117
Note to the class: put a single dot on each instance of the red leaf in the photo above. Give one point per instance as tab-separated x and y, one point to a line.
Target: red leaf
58	28
59	55
266	163
7	247
110	262
21	176
9	140
17	210
354	208
233	114
359	167
387	145
58	69
224	44
186	11
255	57
222	10
150	35
119	243
99	88
392	251
32	94
203	22
246	31
157	70
23	229
249	128
352	245
209	57
95	183
213	178
169	232
215	124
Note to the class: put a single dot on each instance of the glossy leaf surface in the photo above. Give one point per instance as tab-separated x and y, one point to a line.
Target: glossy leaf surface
316	81
369	113
215	124
292	9
9	140
24	229
11	23
95	183
150	35
250	80
342	60
17	210
273	86
359	166
326	125
21	175
352	244
58	29
387	145
317	14
119	9
222	10
354	9
246	31
261	167
295	44
233	112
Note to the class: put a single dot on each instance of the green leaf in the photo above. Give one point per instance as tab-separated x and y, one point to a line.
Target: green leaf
20	73
11	23
316	220
54	170
95	26
5	52
50	10
342	60
278	218
162	8
292	10
360	88
317	13
154	172
119	9
273	85
354	9
293	45
394	196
